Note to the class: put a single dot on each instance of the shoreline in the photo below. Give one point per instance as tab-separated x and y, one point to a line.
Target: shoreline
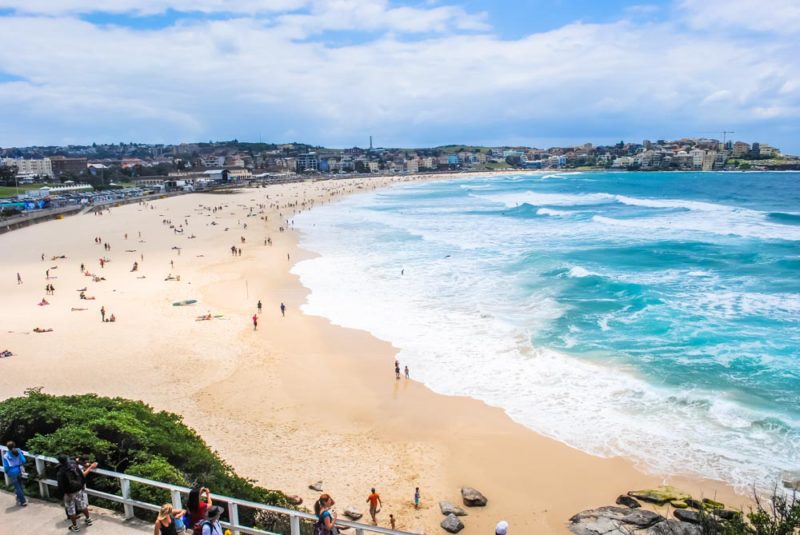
320	400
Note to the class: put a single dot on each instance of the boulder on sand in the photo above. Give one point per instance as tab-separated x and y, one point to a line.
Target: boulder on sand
452	524
448	508
473	497
316	486
659	496
614	521
353	513
627	501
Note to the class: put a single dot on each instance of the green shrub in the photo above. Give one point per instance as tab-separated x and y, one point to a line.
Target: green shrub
125	436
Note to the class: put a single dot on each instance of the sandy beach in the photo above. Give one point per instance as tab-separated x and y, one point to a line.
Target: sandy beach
295	401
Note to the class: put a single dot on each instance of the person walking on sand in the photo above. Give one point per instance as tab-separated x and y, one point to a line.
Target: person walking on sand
397	370
407	377
416	496
19	278
71	480
103	313
374	500
255	322
13	462
259	306
283	310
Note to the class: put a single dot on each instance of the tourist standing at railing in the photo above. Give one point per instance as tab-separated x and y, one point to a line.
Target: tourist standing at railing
71	480
13	463
212	526
326	516
198	508
166	521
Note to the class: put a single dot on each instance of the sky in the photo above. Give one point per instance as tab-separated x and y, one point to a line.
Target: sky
410	73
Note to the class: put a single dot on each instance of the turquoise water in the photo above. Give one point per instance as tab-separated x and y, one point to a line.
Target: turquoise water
651	315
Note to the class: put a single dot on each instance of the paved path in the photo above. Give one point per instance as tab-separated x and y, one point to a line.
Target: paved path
45	518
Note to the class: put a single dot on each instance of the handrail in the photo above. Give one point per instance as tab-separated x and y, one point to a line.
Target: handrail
130	504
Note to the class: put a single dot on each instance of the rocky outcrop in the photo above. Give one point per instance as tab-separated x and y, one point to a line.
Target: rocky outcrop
473	497
674	527
452	524
613	521
316	486
448	508
353	513
627	501
693	517
659	496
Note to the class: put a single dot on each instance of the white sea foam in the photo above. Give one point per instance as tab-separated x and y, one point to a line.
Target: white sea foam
458	320
578	272
552	212
548	199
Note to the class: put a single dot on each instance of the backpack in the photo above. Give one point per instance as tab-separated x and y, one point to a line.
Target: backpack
319	527
73	477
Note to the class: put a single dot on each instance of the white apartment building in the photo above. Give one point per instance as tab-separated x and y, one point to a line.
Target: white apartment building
31	168
412	166
698	155
213	161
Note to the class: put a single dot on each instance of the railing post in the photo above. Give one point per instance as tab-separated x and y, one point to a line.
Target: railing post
44	490
294	523
233	515
176	499
126	495
359	531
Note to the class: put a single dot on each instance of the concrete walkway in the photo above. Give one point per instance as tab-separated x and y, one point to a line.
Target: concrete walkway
45	518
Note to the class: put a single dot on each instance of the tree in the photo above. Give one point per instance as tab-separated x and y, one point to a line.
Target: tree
8	174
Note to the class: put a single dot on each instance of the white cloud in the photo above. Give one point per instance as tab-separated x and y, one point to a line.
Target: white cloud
773	16
212	79
149	7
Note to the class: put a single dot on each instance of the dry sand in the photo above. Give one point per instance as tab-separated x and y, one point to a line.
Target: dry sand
297	400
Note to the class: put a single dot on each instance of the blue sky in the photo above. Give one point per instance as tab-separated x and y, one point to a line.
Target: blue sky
333	72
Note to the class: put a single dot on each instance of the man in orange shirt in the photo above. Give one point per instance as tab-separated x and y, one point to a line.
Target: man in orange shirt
374	500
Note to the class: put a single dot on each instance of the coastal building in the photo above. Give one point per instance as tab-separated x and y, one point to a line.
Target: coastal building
697	155
412	166
307	162
709	159
452	159
740	149
374	167
62	165
30	168
765	150
428	163
212	161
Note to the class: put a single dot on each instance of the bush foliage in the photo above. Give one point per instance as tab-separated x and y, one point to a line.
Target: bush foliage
125	436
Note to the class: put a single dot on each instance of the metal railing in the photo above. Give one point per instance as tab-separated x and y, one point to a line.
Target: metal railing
129	504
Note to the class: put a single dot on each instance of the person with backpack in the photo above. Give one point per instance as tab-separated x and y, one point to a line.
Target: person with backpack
326	516
211	525
71	480
13	464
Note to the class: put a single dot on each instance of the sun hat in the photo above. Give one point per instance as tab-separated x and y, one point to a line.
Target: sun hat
215	512
502	528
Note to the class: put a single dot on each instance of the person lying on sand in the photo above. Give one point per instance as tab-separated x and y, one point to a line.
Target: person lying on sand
6	353
40	330
170	277
75	309
43	302
95	278
60	257
142	277
206	317
87	297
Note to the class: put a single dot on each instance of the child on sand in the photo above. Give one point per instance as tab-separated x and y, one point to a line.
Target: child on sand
416	496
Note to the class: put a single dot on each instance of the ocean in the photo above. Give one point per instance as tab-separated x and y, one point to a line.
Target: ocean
654	316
